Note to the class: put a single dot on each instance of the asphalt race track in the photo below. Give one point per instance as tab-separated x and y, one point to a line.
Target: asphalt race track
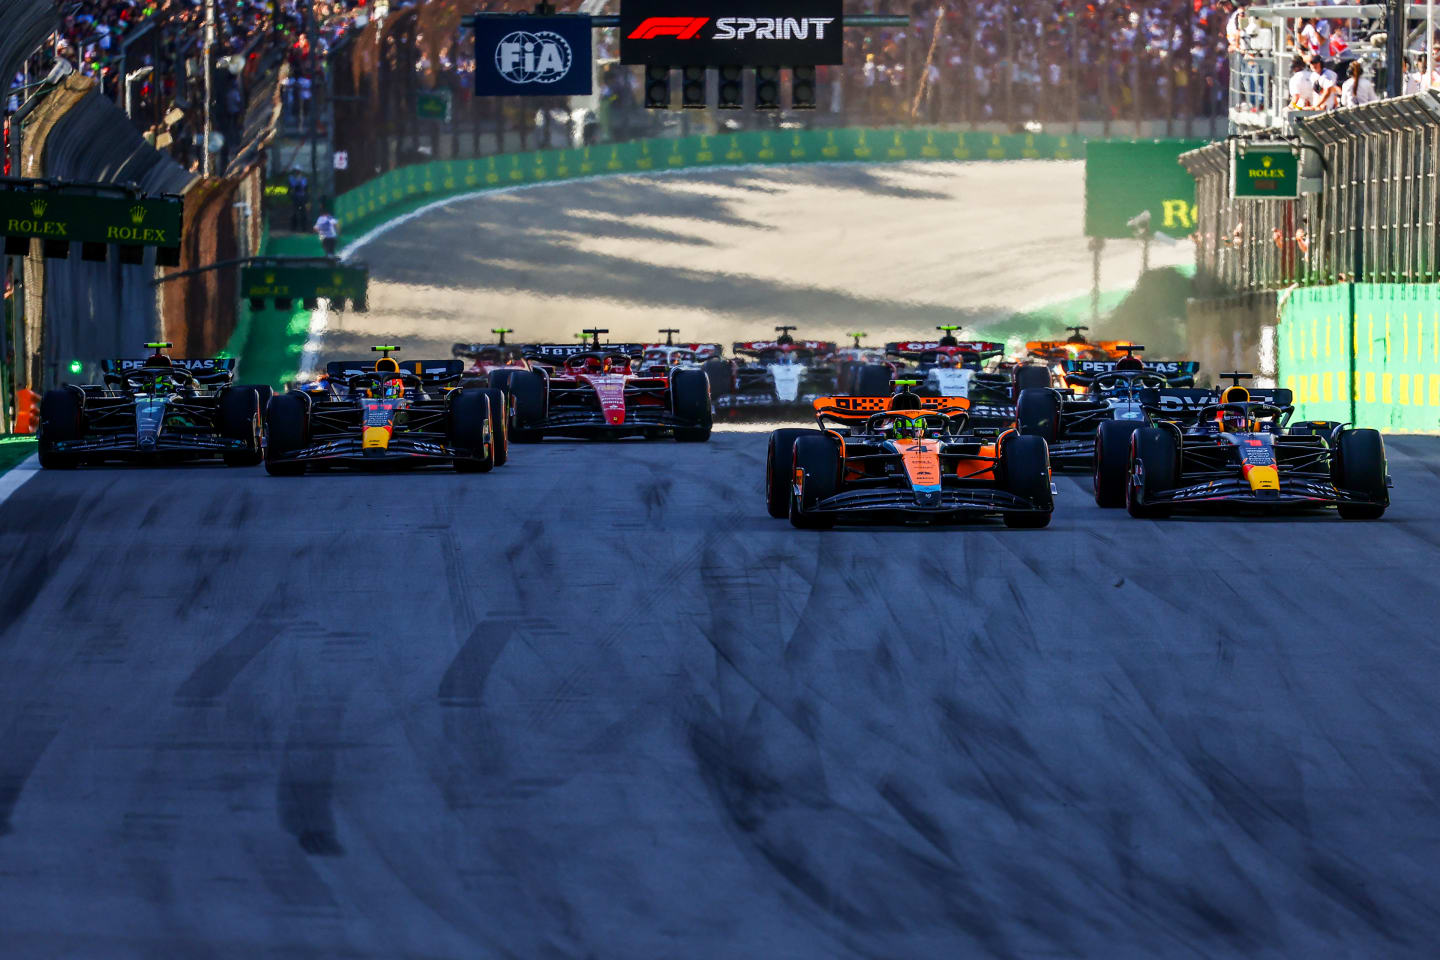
378	716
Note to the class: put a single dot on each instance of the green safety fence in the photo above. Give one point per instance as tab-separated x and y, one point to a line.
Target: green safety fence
1366	353
389	193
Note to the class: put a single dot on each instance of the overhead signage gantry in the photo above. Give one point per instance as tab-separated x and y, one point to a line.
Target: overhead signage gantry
546	54
95	215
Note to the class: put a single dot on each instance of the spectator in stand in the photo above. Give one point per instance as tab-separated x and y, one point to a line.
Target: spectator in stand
299	199
1357	89
1302	88
1327	91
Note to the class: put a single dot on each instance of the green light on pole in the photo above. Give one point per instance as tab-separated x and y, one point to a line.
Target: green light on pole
76	366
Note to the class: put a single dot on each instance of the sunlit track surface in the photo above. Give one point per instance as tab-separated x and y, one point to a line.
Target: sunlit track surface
598	704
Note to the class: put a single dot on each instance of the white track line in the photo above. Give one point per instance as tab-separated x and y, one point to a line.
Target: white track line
14	478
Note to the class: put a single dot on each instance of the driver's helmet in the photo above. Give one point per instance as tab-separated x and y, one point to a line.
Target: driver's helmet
944	360
1128	362
392	389
902	428
163	383
490	355
1233	419
615	365
158	359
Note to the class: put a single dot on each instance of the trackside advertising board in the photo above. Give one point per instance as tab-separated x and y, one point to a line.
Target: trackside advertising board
719	33
520	56
52	215
1126	177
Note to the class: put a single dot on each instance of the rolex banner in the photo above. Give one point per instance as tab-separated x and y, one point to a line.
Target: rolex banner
51	214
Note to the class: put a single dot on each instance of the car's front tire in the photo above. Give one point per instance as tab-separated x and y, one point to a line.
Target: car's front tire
1153	449
1112	461
470	415
1026	469
780	470
819	460
1360	466
60	420
690	402
287	420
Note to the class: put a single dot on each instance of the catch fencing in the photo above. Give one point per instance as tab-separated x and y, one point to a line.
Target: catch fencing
1337	293
1376	219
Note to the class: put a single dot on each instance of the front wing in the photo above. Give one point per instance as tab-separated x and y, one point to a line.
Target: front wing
949	503
1293	493
402	450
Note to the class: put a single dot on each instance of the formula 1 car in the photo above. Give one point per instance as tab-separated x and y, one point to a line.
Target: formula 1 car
486	358
156	410
906	458
382	414
1069	421
857	362
781	375
1241	452
952	368
660	358
593	390
1055	353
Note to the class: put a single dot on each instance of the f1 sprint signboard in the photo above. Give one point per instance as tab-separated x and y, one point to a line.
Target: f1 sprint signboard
532	56
725	33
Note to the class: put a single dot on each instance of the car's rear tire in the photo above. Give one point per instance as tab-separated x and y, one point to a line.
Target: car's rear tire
1031	377
61	416
721	376
779	470
873	380
470	413
690	402
1026	468
817	456
287	420
1037	414
265	391
240	419
1360	467
1154	449
499	424
1112	461
530	394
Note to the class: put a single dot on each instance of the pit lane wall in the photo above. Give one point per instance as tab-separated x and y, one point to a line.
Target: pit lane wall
1365	353
398	191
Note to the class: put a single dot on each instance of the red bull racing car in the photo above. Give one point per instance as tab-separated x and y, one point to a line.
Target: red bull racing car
386	414
595	391
905	458
1241	453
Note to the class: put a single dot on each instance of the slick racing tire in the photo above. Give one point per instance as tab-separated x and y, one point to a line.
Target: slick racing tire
721	376
690	402
1153	450
470	412
779	470
1112	461
816	455
240	419
288	429
1026	468
873	380
265	391
1037	414
530	394
499	424
1031	377
60	419
1359	467
498	380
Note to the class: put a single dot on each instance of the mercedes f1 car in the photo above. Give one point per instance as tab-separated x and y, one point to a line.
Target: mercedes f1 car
154	409
1069	420
1240	452
385	414
778	376
905	458
580	390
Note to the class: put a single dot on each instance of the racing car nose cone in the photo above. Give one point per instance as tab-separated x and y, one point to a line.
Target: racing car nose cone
927	499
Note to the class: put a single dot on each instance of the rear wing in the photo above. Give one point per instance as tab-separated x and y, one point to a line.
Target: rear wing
1182	403
860	409
429	371
1167	368
761	346
700	349
559	351
210	370
926	351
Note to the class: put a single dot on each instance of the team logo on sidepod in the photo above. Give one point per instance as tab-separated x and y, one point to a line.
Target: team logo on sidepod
541	57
